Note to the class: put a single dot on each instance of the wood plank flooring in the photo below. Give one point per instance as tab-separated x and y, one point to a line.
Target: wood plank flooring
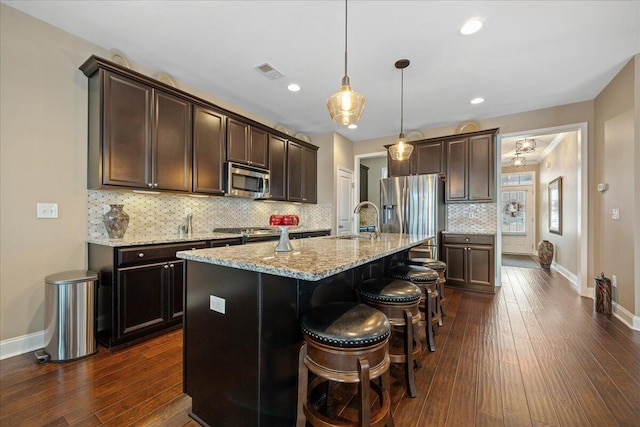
534	354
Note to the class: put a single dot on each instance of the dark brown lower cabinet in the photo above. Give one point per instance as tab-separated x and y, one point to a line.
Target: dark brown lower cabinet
470	261
140	291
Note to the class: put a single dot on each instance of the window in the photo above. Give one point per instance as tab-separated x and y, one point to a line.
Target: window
517	179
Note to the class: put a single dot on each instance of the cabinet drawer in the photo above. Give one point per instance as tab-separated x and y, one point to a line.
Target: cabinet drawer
473	239
147	254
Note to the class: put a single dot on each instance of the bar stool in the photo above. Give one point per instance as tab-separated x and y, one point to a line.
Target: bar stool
399	300
348	343
427	280
441	268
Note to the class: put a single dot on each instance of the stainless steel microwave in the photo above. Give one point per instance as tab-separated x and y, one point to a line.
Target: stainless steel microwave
246	181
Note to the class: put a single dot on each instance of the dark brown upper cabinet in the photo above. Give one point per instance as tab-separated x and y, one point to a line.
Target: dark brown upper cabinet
247	144
428	157
209	150
398	167
302	165
278	167
470	172
139	136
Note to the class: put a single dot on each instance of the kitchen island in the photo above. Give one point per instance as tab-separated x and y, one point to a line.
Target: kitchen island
242	308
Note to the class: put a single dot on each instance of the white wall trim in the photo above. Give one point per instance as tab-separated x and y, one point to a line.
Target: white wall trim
572	278
20	345
626	317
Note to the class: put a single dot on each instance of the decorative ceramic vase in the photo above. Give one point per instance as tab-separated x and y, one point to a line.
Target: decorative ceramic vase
116	222
545	253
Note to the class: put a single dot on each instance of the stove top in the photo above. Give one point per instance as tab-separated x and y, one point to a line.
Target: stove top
247	231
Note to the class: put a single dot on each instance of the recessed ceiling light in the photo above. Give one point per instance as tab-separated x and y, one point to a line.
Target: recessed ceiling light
353	126
477	100
473	25
294	87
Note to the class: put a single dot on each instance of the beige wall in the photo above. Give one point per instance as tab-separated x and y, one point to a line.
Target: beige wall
43	151
563	161
616	146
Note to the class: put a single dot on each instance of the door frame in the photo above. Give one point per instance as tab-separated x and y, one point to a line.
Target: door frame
583	248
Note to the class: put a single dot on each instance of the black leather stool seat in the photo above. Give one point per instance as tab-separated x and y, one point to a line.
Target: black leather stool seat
383	289
345	324
414	273
433	264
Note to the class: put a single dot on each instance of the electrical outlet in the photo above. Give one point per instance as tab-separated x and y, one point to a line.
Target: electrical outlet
47	210
614	281
217	304
472	215
615	213
187	211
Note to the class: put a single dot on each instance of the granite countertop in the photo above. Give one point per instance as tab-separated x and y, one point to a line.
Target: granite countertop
311	259
134	240
470	233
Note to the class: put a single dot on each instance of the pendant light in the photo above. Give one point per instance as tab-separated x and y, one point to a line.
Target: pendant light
526	146
346	106
518	161
401	150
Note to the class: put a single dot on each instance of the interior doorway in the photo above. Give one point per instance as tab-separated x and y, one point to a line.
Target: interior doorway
579	246
344	202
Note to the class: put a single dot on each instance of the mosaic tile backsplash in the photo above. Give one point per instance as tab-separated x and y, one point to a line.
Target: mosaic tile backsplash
162	214
472	218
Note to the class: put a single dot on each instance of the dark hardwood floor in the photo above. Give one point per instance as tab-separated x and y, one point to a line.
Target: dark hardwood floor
534	354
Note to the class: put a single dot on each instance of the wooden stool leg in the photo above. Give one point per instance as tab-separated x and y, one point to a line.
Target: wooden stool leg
416	362
385	382
429	322
303	384
408	352
364	393
442	298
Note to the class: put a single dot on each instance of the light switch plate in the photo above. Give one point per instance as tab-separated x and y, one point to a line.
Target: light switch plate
47	210
217	304
615	213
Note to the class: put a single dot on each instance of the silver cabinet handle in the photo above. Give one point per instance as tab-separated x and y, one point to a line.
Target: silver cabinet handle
140	255
166	267
171	265
155	184
149	185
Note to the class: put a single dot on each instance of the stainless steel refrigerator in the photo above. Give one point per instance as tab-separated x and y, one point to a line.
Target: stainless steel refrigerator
415	205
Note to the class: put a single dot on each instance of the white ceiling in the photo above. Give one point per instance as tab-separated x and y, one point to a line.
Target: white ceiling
529	55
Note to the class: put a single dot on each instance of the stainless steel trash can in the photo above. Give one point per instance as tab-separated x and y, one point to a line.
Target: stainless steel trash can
70	309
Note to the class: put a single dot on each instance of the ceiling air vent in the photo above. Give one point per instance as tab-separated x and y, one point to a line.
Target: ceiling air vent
269	72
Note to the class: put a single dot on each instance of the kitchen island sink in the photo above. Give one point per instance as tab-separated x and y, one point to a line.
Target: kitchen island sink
242	308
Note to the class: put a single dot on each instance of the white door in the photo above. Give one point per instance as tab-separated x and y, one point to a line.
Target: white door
345	204
518	219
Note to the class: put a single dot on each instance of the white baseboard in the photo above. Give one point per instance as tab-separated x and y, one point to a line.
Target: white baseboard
20	345
566	273
626	317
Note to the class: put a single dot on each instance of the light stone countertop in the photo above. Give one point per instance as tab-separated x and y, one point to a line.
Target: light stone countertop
311	259
470	233
134	240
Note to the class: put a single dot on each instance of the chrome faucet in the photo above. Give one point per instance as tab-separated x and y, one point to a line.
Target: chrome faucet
377	226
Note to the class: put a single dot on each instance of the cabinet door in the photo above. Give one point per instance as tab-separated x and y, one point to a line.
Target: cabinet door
237	141
278	167
480	179
455	258
209	151
258	148
456	181
310	185
126	159
171	143
142	298
428	158
176	289
398	167
480	265
295	172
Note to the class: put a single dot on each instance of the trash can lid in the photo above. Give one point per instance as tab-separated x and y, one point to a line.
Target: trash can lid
71	276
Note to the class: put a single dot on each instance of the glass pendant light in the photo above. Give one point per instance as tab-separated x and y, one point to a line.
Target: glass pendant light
346	106
401	150
518	161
